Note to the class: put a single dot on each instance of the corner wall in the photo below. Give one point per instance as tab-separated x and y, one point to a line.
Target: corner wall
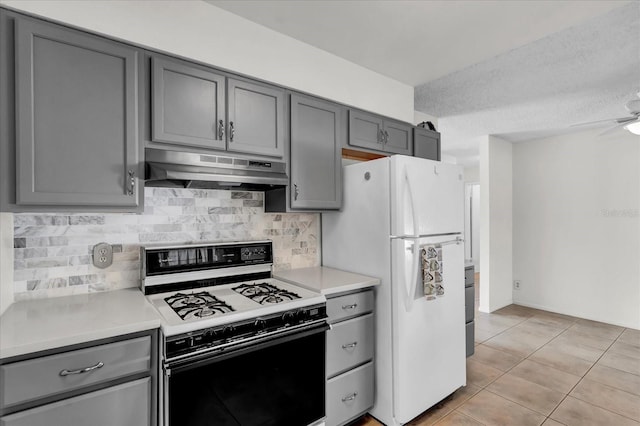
496	226
201	31
576	225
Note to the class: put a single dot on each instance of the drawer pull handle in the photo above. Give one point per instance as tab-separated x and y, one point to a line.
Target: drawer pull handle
82	370
345	307
350	345
350	397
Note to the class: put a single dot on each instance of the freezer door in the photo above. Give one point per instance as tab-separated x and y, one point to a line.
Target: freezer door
428	335
427	197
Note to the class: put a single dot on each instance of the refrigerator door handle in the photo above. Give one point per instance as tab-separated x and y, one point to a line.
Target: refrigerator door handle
410	286
414	214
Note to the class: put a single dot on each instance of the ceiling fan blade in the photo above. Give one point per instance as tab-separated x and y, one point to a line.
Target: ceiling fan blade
615	120
617	126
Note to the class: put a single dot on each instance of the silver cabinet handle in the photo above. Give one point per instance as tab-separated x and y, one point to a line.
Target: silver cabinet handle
296	191
380	136
350	397
132	182
350	345
82	370
353	306
386	136
232	131
220	129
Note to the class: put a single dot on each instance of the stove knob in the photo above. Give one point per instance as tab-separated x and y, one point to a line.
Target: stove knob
289	318
301	314
228	331
260	324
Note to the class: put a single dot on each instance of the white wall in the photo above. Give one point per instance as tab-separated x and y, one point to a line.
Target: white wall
495	224
6	260
576	226
200	31
471	174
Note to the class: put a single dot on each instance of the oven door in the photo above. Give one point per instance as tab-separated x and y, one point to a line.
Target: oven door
278	380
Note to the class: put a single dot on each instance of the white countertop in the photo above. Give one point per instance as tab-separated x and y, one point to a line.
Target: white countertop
37	325
325	280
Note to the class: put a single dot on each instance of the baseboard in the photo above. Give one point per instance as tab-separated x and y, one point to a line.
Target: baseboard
577	315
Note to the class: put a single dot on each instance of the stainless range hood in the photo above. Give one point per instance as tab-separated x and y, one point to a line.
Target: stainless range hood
192	170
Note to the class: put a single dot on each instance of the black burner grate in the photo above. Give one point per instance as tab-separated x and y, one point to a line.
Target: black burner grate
265	293
197	305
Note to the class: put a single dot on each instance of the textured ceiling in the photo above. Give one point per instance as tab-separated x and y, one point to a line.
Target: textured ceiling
416	41
584	73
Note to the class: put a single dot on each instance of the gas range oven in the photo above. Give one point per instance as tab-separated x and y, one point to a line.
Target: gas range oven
239	347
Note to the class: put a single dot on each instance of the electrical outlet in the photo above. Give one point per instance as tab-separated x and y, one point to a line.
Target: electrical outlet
102	255
516	285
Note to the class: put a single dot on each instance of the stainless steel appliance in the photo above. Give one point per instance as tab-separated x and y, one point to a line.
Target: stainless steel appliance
238	347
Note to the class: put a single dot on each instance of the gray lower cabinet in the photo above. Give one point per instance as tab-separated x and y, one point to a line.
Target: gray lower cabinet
426	144
108	383
188	104
469	305
126	404
372	131
350	353
256	118
316	140
76	117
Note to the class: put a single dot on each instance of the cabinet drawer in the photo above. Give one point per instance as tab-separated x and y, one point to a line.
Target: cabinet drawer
36	378
349	395
342	307
469	303
469	278
125	404
349	343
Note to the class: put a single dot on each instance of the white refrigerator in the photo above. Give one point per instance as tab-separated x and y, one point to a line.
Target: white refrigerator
393	207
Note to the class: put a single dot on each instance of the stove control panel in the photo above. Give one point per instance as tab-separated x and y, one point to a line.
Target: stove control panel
254	253
239	331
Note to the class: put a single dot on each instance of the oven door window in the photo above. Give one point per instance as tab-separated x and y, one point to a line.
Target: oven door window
279	382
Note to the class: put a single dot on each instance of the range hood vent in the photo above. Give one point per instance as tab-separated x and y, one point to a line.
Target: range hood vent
192	170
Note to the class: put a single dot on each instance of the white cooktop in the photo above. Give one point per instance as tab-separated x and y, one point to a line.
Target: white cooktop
244	307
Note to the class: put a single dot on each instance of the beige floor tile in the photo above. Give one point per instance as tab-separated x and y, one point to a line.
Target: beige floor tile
556	319
573	411
516	311
546	376
612	399
491	409
497	322
445	406
551	422
458	419
562	361
615	378
621	362
526	393
597	329
503	361
570	347
539	328
630	337
586	340
625	349
366	420
481	335
481	375
518	342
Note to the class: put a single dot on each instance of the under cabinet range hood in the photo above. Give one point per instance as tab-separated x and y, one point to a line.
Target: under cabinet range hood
193	170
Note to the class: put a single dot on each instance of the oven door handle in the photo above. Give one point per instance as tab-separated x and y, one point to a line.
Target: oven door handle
212	356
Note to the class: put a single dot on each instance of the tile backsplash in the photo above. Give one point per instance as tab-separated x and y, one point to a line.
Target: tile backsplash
52	252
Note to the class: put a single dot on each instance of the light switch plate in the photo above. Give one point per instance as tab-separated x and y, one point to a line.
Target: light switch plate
102	255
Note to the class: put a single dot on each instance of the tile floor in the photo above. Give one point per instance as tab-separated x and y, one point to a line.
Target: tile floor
533	367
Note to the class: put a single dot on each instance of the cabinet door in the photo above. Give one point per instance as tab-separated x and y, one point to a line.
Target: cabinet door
398	138
126	404
188	105
365	130
76	117
315	154
256	119
426	144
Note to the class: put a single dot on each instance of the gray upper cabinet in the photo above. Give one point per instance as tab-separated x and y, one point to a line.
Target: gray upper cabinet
372	131
316	141
76	119
426	144
187	104
256	119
